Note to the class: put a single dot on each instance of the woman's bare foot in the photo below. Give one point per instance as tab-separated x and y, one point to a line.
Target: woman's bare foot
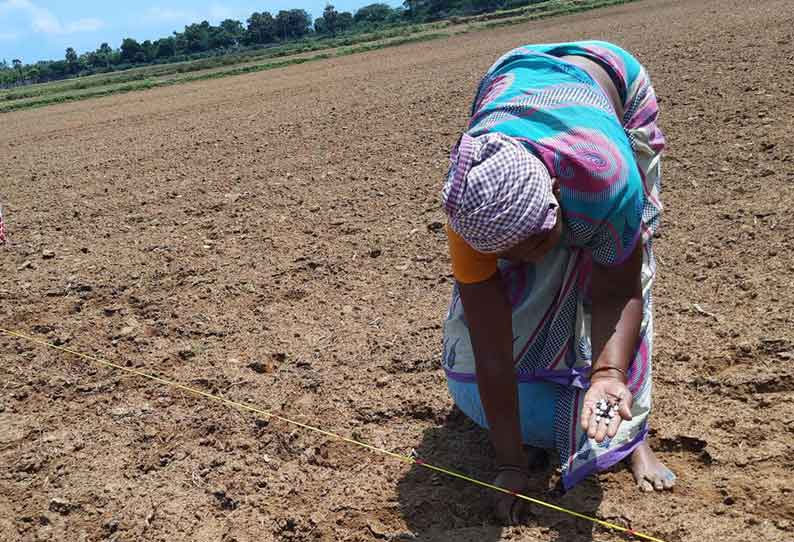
509	509
649	472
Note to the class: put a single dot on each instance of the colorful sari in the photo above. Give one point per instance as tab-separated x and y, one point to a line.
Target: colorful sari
609	172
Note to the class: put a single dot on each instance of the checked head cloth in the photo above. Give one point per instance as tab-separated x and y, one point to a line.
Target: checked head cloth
497	193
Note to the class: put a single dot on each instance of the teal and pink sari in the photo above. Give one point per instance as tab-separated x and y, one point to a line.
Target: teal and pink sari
609	173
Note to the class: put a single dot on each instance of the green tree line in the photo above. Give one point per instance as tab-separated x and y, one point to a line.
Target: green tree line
261	29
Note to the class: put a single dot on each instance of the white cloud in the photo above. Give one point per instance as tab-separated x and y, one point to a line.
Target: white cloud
215	13
44	21
89	24
169	15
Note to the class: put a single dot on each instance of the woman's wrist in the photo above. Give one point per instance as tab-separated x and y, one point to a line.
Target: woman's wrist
609	371
510	455
507	445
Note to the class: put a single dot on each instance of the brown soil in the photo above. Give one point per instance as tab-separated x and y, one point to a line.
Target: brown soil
273	238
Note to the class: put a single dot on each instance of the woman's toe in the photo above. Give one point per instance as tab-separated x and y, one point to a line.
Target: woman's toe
645	485
658	483
518	513
668	480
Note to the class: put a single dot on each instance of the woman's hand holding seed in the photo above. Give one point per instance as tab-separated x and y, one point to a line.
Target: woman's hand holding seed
606	403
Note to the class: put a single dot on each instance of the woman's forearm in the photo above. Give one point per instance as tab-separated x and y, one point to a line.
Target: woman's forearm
490	327
499	395
616	314
615	330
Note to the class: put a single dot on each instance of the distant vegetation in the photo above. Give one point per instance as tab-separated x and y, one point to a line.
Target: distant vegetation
261	30
247	59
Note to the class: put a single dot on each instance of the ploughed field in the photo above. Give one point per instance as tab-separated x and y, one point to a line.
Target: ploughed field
275	238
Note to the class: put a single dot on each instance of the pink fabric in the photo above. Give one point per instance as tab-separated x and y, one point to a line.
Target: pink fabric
3	237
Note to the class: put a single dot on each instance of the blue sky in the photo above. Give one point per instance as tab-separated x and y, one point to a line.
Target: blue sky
33	30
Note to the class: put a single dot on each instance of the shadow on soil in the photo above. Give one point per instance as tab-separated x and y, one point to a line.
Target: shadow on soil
439	508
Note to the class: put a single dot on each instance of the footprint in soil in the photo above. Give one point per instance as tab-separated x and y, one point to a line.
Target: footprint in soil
678	443
438	508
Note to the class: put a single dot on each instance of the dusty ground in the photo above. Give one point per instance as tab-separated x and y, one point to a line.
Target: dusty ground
273	238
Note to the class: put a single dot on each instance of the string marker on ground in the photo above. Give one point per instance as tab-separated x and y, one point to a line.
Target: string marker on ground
400	457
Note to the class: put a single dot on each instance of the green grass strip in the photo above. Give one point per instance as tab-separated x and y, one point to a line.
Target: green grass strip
39	100
148	84
163	70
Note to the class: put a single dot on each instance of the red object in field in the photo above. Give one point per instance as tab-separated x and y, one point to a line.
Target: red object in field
2	229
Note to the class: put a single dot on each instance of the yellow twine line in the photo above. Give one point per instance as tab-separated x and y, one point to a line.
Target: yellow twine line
400	457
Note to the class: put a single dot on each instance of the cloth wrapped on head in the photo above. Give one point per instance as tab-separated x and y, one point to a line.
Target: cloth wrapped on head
497	193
